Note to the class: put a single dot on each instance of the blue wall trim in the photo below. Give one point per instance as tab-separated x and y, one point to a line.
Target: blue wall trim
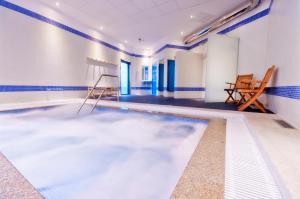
246	21
141	88
292	92
18	88
189	89
37	16
284	91
175	89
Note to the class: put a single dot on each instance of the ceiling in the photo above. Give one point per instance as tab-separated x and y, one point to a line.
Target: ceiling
156	22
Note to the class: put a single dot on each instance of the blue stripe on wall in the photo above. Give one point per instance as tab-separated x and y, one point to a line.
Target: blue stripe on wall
292	92
175	89
189	89
37	16
246	21
141	88
285	91
18	88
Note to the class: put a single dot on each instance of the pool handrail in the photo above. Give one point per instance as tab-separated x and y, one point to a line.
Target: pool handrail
92	90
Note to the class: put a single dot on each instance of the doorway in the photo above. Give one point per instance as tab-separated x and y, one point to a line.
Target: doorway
171	76
125	77
154	80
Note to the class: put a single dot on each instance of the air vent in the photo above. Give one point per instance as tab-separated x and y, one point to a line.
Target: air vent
284	124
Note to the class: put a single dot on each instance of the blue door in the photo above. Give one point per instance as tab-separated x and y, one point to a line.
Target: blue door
171	76
154	80
161	77
125	77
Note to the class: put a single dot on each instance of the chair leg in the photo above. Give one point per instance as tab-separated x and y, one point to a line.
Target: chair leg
247	103
252	99
230	97
242	99
260	106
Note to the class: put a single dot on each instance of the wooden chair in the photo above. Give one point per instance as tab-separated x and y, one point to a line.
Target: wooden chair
239	84
251	95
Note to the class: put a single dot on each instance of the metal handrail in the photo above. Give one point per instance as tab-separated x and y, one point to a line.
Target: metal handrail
92	90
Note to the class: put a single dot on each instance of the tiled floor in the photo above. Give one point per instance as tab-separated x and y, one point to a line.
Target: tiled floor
281	146
196	103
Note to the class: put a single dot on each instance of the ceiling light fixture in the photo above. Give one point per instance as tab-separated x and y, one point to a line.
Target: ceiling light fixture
57	4
191	16
101	28
181	32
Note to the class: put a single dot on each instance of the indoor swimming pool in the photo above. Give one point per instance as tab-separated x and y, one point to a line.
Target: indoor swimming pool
111	153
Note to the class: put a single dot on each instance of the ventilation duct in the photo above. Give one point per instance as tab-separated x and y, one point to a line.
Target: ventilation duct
250	5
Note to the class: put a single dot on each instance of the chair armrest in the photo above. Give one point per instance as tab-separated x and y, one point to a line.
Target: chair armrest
230	84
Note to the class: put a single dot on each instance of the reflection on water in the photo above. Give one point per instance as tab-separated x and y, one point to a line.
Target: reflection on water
108	154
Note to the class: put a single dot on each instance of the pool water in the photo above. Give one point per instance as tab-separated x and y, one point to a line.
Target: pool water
108	154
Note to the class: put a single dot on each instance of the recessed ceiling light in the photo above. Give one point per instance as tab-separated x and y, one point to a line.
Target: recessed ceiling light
57	4
181	32
101	28
191	16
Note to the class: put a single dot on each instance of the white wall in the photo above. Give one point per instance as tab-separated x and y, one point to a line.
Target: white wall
274	39
222	57
189	74
283	50
36	53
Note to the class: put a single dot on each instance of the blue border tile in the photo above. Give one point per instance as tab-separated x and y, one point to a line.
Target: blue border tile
39	17
284	91
292	92
175	89
22	88
189	89
141	88
246	21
